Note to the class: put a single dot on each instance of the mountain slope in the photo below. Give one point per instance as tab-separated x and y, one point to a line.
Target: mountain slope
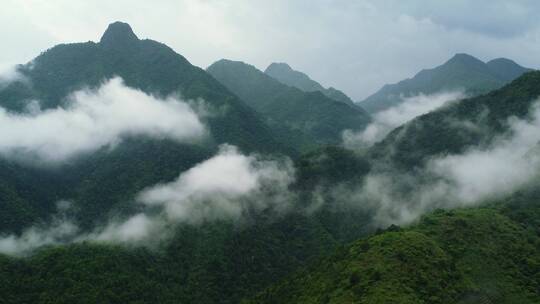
461	72
448	130
286	75
143	64
289	111
218	262
483	255
214	263
146	65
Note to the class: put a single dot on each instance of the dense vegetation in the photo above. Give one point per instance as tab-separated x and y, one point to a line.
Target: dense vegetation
458	126
103	180
217	262
478	255
461	256
214	263
306	119
461	72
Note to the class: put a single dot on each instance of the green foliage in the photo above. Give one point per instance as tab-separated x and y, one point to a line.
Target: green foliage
456	127
215	263
461	256
105	181
330	165
143	64
448	257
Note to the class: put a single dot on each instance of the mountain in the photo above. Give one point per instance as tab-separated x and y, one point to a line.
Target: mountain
286	75
323	248
463	256
448	130
461	72
143	64
303	117
215	262
93	182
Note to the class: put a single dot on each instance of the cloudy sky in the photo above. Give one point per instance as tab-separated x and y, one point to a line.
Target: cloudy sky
356	46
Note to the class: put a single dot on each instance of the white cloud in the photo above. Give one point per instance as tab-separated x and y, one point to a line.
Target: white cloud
32	238
478	175
228	186
134	229
224	186
507	164
95	119
387	120
9	73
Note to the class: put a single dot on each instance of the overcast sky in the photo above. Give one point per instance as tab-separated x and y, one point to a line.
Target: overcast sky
356	46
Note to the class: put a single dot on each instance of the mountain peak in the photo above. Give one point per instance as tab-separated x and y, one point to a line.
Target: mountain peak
464	58
502	60
278	66
118	34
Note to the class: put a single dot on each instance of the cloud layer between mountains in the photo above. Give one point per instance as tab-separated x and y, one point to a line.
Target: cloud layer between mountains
387	120
228	186
482	173
233	186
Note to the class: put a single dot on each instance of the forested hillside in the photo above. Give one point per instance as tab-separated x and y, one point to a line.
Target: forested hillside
477	255
129	175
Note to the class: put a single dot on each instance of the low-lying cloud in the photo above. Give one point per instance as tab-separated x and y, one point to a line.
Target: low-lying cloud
223	186
480	174
59	231
228	186
508	163
234	186
387	120
9	74
95	119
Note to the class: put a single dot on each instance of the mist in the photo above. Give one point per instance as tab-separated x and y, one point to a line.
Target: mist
223	187
59	231
234	186
389	119
479	175
228	186
95	119
8	74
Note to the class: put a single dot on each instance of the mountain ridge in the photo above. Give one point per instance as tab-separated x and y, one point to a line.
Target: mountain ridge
287	75
310	116
461	72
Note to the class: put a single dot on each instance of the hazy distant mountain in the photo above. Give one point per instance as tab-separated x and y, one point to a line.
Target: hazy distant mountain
447	130
285	74
306	114
461	72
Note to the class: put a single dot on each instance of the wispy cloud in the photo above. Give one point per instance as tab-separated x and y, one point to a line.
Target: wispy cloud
477	175
387	120
8	74
95	119
225	186
229	186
